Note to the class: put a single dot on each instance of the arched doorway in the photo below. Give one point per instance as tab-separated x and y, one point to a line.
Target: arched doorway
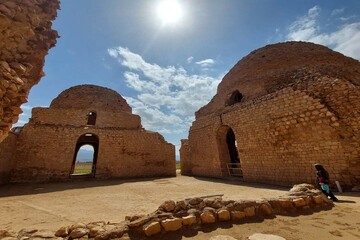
228	153
85	156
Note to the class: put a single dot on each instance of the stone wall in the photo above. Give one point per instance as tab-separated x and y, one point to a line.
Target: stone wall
7	148
46	153
77	117
281	135
25	38
185	163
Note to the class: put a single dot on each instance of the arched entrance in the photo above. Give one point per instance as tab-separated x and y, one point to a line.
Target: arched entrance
85	156
228	153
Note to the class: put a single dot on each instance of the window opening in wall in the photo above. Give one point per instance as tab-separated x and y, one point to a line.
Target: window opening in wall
91	118
85	156
228	152
234	98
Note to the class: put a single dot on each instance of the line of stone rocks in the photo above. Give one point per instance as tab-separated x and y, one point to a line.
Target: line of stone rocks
172	216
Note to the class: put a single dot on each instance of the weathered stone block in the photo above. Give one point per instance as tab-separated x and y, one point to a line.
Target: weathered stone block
171	225
223	215
237	215
207	217
299	202
152	229
189	220
79	232
62	232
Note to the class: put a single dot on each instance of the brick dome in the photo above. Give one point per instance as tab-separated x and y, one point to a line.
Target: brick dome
91	97
277	66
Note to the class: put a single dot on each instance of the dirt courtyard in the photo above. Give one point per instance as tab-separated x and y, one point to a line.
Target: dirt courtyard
50	206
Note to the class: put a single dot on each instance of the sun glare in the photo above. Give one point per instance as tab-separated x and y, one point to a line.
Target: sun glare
169	11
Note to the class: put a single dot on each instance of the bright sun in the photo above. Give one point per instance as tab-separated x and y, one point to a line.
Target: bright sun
169	11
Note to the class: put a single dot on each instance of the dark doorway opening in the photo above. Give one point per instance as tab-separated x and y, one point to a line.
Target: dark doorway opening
91	118
228	152
85	156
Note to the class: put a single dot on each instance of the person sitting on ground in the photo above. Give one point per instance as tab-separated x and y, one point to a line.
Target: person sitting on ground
322	181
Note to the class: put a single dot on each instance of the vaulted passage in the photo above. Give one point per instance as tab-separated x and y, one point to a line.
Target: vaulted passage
228	153
84	163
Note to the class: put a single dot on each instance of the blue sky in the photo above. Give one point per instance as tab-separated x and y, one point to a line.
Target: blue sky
168	70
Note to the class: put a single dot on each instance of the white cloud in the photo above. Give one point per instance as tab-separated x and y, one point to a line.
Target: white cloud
337	11
344	39
206	62
190	59
167	96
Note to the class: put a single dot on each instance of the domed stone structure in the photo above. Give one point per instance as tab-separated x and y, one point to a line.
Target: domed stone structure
278	111
88	131
90	95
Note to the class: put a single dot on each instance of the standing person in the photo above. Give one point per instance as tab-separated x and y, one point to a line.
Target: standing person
322	181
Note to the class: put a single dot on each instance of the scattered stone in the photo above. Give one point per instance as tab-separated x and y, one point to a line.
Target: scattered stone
195	201
207	217
95	231
152	229
318	199
139	222
237	215
189	220
77	225
62	232
118	232
79	232
171	225
266	209
299	202
223	215
168	206
249	211
102	236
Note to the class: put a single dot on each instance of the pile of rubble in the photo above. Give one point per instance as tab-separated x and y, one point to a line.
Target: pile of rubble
172	216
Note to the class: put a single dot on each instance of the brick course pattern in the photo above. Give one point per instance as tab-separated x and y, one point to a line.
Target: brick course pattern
46	147
300	105
25	38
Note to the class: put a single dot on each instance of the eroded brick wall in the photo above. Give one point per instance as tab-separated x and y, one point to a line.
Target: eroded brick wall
25	38
46	153
79	117
281	135
7	148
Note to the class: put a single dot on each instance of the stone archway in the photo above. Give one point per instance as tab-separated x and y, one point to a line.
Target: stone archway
228	153
88	169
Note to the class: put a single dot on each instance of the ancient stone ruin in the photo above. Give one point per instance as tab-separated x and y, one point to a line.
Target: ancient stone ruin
279	110
25	38
190	213
46	149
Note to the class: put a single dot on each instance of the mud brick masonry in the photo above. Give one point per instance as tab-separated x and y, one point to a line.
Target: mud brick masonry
45	149
25	38
279	110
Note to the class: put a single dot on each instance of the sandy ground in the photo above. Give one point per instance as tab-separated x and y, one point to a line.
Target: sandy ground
50	206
